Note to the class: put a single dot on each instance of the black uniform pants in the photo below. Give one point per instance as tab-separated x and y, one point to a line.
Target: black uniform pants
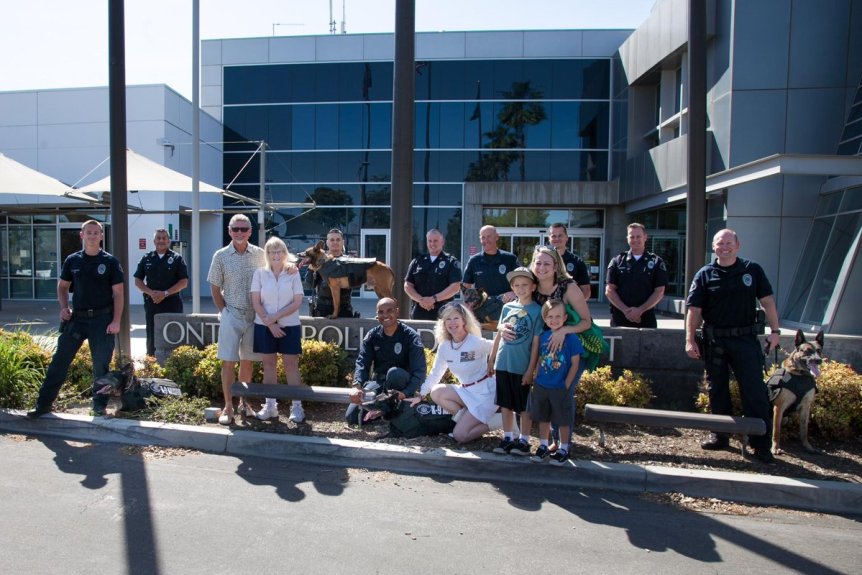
648	319
744	356
72	337
419	312
322	304
171	304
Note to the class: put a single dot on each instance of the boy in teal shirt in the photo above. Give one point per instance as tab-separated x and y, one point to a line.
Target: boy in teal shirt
513	361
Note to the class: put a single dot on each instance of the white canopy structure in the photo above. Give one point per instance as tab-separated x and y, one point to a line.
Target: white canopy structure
145	175
16	178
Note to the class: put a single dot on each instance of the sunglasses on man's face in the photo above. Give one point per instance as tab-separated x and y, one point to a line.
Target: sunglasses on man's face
239	230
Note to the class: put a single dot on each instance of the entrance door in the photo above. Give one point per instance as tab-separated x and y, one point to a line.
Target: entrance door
586	244
521	242
672	250
373	244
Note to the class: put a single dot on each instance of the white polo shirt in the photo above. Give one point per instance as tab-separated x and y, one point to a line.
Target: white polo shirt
277	293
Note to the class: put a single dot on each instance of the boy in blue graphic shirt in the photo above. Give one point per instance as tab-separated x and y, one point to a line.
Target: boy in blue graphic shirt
557	376
513	361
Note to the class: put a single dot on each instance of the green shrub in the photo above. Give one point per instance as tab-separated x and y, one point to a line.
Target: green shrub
22	369
837	411
180	367
323	363
149	367
207	374
196	371
601	387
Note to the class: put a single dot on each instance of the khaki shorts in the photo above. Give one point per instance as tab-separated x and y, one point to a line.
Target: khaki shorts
236	337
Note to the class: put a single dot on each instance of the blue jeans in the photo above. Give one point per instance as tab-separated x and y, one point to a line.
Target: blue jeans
93	330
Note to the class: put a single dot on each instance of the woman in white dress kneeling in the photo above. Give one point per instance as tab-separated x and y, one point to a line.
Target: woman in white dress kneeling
462	350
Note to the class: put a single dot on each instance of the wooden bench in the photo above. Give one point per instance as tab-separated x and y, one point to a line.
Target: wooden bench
298	392
744	426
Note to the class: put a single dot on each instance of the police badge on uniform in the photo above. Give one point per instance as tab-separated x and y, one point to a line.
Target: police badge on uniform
441	265
101	269
570	266
746	279
502	269
398	347
650	264
170	260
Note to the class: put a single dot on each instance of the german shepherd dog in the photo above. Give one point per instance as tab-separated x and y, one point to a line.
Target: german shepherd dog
376	275
793	386
486	308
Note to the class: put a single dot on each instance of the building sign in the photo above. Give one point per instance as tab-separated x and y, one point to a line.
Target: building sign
142	243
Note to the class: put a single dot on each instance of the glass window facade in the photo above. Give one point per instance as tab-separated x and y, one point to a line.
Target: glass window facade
32	250
831	250
328	128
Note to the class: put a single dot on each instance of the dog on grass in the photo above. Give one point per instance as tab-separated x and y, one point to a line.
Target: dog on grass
793	387
342	273
486	308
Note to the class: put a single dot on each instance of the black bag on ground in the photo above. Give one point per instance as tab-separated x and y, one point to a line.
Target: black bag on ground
135	395
426	418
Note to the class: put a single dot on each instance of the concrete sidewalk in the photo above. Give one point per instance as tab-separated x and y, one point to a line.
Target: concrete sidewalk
822	496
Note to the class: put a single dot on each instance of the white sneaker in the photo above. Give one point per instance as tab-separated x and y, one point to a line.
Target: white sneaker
297	414
268	411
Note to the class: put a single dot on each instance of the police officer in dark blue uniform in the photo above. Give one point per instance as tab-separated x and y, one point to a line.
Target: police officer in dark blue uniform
432	279
558	236
321	302
161	275
488	270
96	279
391	358
723	298
635	283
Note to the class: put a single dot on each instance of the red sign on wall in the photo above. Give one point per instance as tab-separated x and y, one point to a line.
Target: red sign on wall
142	243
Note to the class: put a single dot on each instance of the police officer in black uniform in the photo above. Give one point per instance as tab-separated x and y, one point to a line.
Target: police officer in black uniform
635	282
723	298
432	279
321	300
391	358
161	275
577	268
488	269
96	279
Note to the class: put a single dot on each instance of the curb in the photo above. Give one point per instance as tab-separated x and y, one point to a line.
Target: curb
813	495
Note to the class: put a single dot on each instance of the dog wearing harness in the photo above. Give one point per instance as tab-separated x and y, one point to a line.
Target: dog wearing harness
792	387
344	272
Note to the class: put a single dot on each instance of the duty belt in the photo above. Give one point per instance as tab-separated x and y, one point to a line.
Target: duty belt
93	312
711	332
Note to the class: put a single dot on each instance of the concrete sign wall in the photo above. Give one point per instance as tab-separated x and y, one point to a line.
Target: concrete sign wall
657	354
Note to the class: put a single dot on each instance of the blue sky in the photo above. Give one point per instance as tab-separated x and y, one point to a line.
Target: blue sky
63	43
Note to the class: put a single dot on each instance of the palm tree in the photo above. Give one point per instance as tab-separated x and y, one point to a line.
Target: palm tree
519	113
